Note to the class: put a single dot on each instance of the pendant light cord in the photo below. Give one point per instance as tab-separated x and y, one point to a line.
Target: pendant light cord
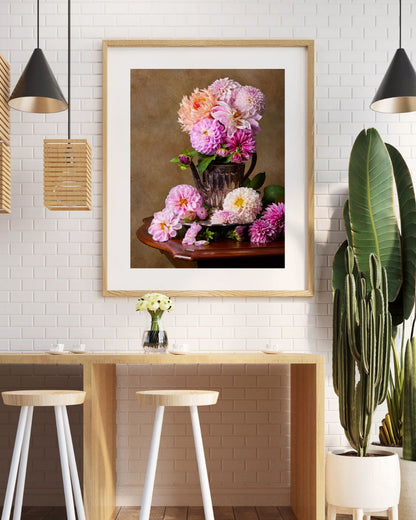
37	25
69	69
400	24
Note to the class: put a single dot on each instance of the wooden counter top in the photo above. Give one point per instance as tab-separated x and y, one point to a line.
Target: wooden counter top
141	358
99	424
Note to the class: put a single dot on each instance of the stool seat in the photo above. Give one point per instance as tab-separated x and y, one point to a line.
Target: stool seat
43	397
177	397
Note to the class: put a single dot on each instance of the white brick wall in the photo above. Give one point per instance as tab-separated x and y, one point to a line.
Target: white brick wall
246	435
50	263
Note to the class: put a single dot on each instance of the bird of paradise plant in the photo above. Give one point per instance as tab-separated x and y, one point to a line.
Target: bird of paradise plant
372	228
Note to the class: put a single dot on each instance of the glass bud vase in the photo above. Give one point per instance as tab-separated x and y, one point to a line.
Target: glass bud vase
155	340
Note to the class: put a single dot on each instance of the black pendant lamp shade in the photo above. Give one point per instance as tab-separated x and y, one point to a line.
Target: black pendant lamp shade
397	92
37	89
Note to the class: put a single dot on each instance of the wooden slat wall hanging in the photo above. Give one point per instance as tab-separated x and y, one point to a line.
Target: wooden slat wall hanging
4	98
5	178
67	174
5	156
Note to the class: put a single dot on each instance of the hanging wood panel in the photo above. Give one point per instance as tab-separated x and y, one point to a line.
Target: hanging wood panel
67	174
5	155
5	178
4	98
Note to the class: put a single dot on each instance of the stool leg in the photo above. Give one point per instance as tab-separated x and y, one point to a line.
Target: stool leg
8	499
66	477
151	465
358	514
18	501
202	467
393	513
331	513
73	467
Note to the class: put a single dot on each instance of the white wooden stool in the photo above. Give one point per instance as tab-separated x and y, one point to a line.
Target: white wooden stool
160	399
27	400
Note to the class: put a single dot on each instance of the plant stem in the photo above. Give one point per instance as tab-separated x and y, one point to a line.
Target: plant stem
155	316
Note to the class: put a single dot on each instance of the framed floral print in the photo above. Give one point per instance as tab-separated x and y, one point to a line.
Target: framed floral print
208	167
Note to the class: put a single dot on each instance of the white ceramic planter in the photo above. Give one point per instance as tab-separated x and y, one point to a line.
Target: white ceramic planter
391	449
367	484
407	505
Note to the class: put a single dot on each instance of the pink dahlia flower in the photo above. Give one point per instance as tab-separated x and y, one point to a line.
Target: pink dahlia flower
183	199
230	117
241	145
249	101
224	217
202	213
245	202
207	135
222	151
184	159
190	215
261	232
190	236
238	233
165	225
275	214
198	106
224	89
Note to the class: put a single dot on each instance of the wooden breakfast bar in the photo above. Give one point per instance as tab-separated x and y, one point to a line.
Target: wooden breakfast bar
99	382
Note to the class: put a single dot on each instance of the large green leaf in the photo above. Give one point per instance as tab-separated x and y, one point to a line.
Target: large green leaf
339	270
272	192
396	308
407	206
373	222
347	222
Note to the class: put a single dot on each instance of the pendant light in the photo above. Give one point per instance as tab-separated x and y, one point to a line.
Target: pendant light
5	158
397	92
67	163
37	90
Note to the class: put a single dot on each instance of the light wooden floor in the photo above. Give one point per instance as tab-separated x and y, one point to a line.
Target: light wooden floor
177	513
173	513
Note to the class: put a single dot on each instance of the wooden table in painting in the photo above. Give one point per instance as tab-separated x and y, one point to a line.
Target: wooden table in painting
221	254
99	425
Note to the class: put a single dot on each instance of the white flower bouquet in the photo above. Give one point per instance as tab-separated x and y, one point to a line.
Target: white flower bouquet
154	303
155	339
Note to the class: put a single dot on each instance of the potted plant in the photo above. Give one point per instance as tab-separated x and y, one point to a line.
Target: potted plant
391	429
360	480
407	506
374	245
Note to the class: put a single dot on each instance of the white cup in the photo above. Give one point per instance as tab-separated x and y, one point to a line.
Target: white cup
81	347
182	347
273	347
60	347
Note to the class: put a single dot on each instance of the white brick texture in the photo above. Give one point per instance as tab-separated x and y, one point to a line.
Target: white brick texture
50	263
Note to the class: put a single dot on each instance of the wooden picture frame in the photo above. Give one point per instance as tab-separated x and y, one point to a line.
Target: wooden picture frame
296	57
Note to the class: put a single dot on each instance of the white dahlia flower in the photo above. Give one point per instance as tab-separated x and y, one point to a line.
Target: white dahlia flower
245	202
